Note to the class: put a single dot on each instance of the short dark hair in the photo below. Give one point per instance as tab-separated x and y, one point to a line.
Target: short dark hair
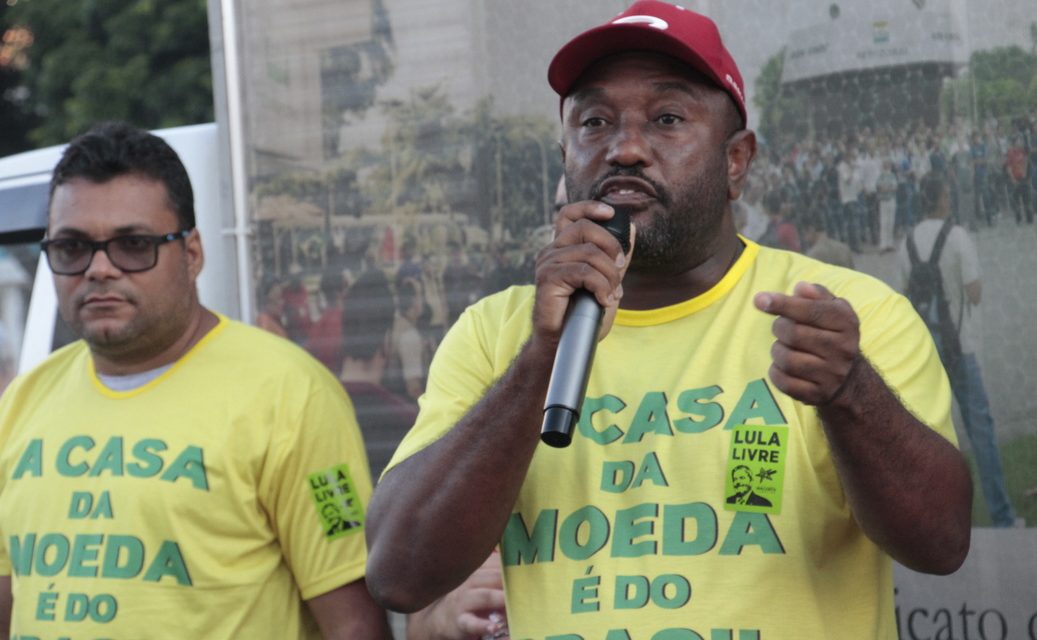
930	189
332	284
407	292
368	316
112	149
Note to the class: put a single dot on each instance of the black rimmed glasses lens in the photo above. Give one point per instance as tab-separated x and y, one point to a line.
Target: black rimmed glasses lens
129	253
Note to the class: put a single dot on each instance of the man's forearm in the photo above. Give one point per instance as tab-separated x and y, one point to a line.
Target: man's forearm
349	613
908	487
438	514
6	602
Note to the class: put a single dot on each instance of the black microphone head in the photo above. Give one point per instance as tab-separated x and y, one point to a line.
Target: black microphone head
619	225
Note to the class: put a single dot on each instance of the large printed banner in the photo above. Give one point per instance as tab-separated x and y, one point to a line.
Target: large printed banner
902	38
992	597
403	162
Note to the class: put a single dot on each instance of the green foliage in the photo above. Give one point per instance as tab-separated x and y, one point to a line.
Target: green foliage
1019	461
780	113
500	171
350	76
1001	97
16	117
423	143
1012	63
515	167
304	187
143	61
335	188
1004	80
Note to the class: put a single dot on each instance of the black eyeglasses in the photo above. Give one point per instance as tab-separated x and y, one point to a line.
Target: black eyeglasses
129	254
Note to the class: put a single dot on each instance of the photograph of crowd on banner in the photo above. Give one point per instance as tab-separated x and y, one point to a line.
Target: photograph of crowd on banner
406	180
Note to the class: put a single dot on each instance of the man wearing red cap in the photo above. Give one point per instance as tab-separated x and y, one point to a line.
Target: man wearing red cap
819	382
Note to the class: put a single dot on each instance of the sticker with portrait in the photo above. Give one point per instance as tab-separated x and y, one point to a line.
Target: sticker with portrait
337	502
756	468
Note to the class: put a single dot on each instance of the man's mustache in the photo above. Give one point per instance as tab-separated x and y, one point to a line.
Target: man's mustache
629	172
80	300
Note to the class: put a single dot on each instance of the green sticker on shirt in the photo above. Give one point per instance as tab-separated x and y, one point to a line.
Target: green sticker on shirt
756	468
338	504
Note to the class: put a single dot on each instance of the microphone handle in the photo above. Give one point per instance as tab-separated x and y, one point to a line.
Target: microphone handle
572	364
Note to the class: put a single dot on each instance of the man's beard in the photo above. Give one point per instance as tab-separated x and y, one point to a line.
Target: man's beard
685	225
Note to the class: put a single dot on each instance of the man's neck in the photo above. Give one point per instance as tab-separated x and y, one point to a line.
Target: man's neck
643	291
201	323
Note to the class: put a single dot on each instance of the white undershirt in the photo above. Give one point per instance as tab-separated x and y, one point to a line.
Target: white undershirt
133	380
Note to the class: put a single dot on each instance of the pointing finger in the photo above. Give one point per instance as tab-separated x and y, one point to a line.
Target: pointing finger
823	312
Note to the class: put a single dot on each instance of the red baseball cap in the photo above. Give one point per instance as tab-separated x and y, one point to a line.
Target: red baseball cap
652	25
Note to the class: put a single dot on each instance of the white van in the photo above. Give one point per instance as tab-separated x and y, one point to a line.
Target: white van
26	337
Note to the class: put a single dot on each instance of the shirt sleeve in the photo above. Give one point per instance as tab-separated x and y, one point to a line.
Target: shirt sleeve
316	486
410	355
969	259
903	266
466	363
901	349
7	402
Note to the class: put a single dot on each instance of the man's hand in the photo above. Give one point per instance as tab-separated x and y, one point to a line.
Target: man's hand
472	610
818	342
6	602
463	486
582	255
907	487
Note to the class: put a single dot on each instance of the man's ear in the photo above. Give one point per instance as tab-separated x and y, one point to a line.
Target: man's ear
195	254
566	108
741	149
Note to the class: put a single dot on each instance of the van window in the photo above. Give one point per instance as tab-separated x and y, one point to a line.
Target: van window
23	213
23	218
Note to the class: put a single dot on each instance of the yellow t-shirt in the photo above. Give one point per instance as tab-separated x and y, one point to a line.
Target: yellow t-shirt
666	517
208	503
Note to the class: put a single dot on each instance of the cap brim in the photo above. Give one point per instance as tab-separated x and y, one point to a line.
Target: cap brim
581	52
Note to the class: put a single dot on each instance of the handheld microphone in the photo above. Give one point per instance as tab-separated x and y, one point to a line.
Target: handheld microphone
575	352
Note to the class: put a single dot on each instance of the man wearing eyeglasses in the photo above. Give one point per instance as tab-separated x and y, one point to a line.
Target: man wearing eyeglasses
173	470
